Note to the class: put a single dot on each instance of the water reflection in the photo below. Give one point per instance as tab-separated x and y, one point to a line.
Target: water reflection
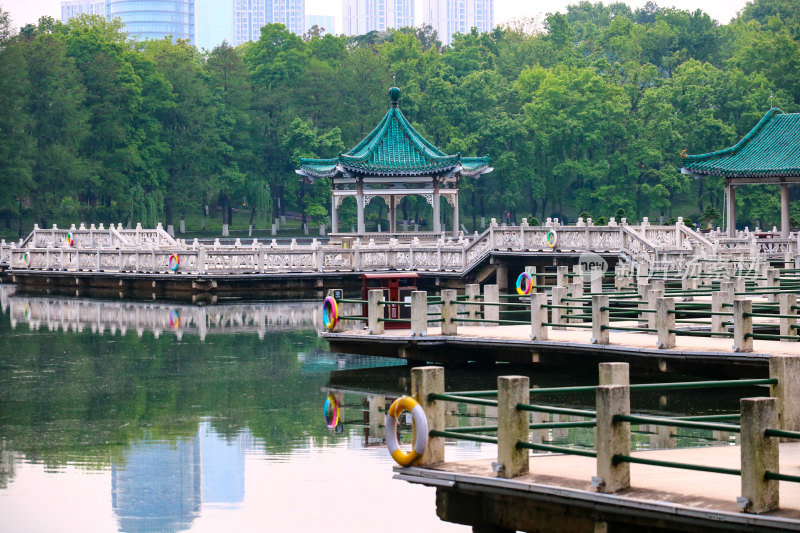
219	424
101	316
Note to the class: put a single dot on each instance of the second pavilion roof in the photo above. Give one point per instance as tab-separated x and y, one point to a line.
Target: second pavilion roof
394	148
771	149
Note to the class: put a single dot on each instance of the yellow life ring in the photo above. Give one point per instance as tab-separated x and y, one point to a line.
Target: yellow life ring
406	403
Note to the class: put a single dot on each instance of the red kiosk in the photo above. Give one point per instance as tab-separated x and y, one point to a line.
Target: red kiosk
399	287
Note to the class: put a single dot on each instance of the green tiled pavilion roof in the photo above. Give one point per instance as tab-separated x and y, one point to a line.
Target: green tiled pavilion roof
771	149
394	148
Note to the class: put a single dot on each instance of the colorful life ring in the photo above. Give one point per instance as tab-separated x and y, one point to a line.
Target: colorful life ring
551	239
26	258
524	284
175	319
174	262
330	313
331	412
70	239
406	403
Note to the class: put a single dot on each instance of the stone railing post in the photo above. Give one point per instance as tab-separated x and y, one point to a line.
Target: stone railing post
538	316
531	270
786	303
742	325
491	295
600	319
786	369
688	284
512	425
665	322
339	323
449	312
613	438
557	314
427	380
759	454
375	311
472	290
419	313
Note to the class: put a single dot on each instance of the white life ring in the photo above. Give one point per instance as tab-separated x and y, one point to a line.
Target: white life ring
406	403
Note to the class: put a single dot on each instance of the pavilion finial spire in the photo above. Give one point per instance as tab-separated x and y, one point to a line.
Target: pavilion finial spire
394	94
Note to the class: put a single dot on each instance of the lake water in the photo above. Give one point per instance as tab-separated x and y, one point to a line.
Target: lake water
152	416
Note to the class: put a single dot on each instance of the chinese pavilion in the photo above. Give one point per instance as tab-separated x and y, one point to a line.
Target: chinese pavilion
769	154
392	162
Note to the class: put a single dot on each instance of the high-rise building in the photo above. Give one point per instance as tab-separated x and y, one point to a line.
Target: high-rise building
73	8
248	18
458	16
250	15
323	22
214	23
156	19
290	13
363	16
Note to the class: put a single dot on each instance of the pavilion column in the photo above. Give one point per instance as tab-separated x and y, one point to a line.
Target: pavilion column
360	207
334	215
392	215
785	210
455	215
730	193
437	223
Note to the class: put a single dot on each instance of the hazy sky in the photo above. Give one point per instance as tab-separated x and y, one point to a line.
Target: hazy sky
25	11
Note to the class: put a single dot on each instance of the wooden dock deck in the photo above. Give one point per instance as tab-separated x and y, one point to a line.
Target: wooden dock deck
660	499
565	347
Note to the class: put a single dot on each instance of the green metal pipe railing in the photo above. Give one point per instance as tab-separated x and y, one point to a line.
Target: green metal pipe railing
556	449
617	459
671	422
462	436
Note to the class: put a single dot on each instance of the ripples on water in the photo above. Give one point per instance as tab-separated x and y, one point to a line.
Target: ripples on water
149	416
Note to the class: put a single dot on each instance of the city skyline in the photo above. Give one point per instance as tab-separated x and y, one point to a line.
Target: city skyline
26	12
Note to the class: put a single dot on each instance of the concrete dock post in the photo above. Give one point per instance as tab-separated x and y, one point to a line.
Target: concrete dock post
655	292
491	295
772	277
759	454
688	284
375	311
472	290
426	380
556	314
613	438
786	303
339	327
786	369
562	280
419	313
531	270
742	325
512	425
596	278
575	289
665	322
376	405
614	374
538	316
449	312
600	319
719	299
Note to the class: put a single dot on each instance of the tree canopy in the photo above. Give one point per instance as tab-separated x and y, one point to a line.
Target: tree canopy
585	111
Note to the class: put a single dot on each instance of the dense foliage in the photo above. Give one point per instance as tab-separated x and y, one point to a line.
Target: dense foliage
587	112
